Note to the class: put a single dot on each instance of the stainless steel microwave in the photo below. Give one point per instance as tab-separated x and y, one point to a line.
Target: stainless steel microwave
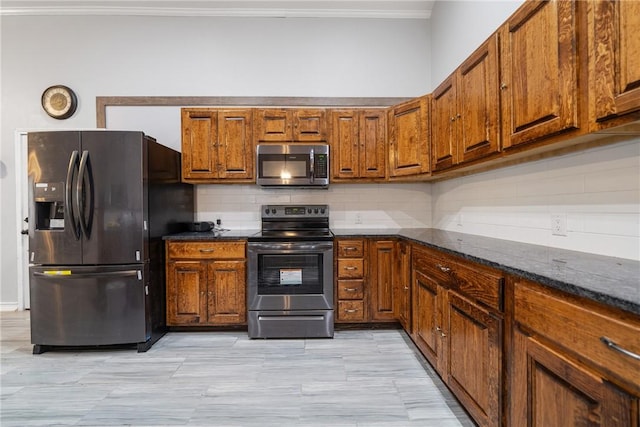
292	165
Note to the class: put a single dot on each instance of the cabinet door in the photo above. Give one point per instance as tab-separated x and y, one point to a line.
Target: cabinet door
186	292
540	72
443	125
408	138
548	389
226	292
478	107
235	144
402	285
273	124
199	137
426	317
310	125
382	295
372	135
616	56
474	349
345	153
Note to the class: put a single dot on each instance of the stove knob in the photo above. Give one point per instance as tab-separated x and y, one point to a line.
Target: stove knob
273	211
309	210
315	211
266	211
322	211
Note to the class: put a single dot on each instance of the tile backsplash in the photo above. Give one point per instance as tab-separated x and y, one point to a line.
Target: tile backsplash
351	205
597	193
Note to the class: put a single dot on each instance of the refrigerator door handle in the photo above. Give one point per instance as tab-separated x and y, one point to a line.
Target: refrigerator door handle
67	274
85	188
68	202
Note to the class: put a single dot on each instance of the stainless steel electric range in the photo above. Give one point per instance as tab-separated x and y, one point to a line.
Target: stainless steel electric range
290	278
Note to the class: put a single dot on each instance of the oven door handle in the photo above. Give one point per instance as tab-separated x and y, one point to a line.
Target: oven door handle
289	247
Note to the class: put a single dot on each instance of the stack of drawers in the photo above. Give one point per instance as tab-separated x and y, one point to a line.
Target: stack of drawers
350	273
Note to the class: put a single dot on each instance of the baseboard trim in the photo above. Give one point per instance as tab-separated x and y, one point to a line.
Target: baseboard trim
8	306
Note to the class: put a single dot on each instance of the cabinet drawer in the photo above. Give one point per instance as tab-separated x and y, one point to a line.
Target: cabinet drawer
480	283
579	326
350	289
206	250
351	310
350	248
351	268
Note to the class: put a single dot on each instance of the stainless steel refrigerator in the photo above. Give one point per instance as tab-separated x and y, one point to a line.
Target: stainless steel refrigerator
99	204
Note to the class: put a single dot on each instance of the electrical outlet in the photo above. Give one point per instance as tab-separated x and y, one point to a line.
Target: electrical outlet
358	218
559	224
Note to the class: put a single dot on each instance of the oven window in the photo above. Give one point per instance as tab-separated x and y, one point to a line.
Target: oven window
290	274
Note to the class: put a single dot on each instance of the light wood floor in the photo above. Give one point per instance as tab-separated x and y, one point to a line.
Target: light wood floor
359	378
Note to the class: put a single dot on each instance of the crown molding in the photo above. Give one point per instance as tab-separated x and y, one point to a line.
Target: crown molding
376	9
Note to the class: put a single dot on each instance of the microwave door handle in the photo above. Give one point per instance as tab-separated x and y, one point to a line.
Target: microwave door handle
311	166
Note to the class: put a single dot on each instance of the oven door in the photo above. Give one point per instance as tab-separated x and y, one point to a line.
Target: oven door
290	276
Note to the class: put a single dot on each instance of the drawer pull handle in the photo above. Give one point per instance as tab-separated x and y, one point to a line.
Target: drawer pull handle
350	248
351	289
406	288
443	268
351	311
619	349
207	251
350	268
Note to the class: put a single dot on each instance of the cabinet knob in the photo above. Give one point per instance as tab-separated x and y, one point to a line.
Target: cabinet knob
443	268
503	86
453	119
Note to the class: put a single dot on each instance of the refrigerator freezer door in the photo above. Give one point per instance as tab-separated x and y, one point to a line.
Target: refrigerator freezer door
80	306
114	193
54	233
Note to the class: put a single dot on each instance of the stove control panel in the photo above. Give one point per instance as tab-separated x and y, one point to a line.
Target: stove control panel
295	211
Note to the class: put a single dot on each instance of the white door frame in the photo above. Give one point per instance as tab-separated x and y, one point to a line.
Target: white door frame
22	211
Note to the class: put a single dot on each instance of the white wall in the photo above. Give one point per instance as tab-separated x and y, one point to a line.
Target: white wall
459	27
377	205
190	56
597	190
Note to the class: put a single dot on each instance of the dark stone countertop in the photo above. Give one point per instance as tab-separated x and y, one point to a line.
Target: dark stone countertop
212	235
609	280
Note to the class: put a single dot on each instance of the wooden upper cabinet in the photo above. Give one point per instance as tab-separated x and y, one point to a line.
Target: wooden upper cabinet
358	142
615	60
409	138
464	110
291	124
539	72
217	144
199	138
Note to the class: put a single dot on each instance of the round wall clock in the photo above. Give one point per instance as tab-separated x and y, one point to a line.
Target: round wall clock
60	102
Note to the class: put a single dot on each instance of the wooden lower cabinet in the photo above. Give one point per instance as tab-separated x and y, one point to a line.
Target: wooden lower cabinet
382	257
402	285
562	373
206	283
458	334
350	281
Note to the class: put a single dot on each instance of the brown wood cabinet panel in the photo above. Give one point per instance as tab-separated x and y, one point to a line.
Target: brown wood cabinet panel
226	292
235	144
444	138
310	125
350	248
351	311
474	363
273	124
206	283
206	250
199	138
579	327
402	285
345	143
478	113
381	253
427	299
351	289
615	72
540	95
373	148
409	138
291	124
351	268
186	298
549	389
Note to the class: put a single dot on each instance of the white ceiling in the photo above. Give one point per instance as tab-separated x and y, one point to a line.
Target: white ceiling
412	9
